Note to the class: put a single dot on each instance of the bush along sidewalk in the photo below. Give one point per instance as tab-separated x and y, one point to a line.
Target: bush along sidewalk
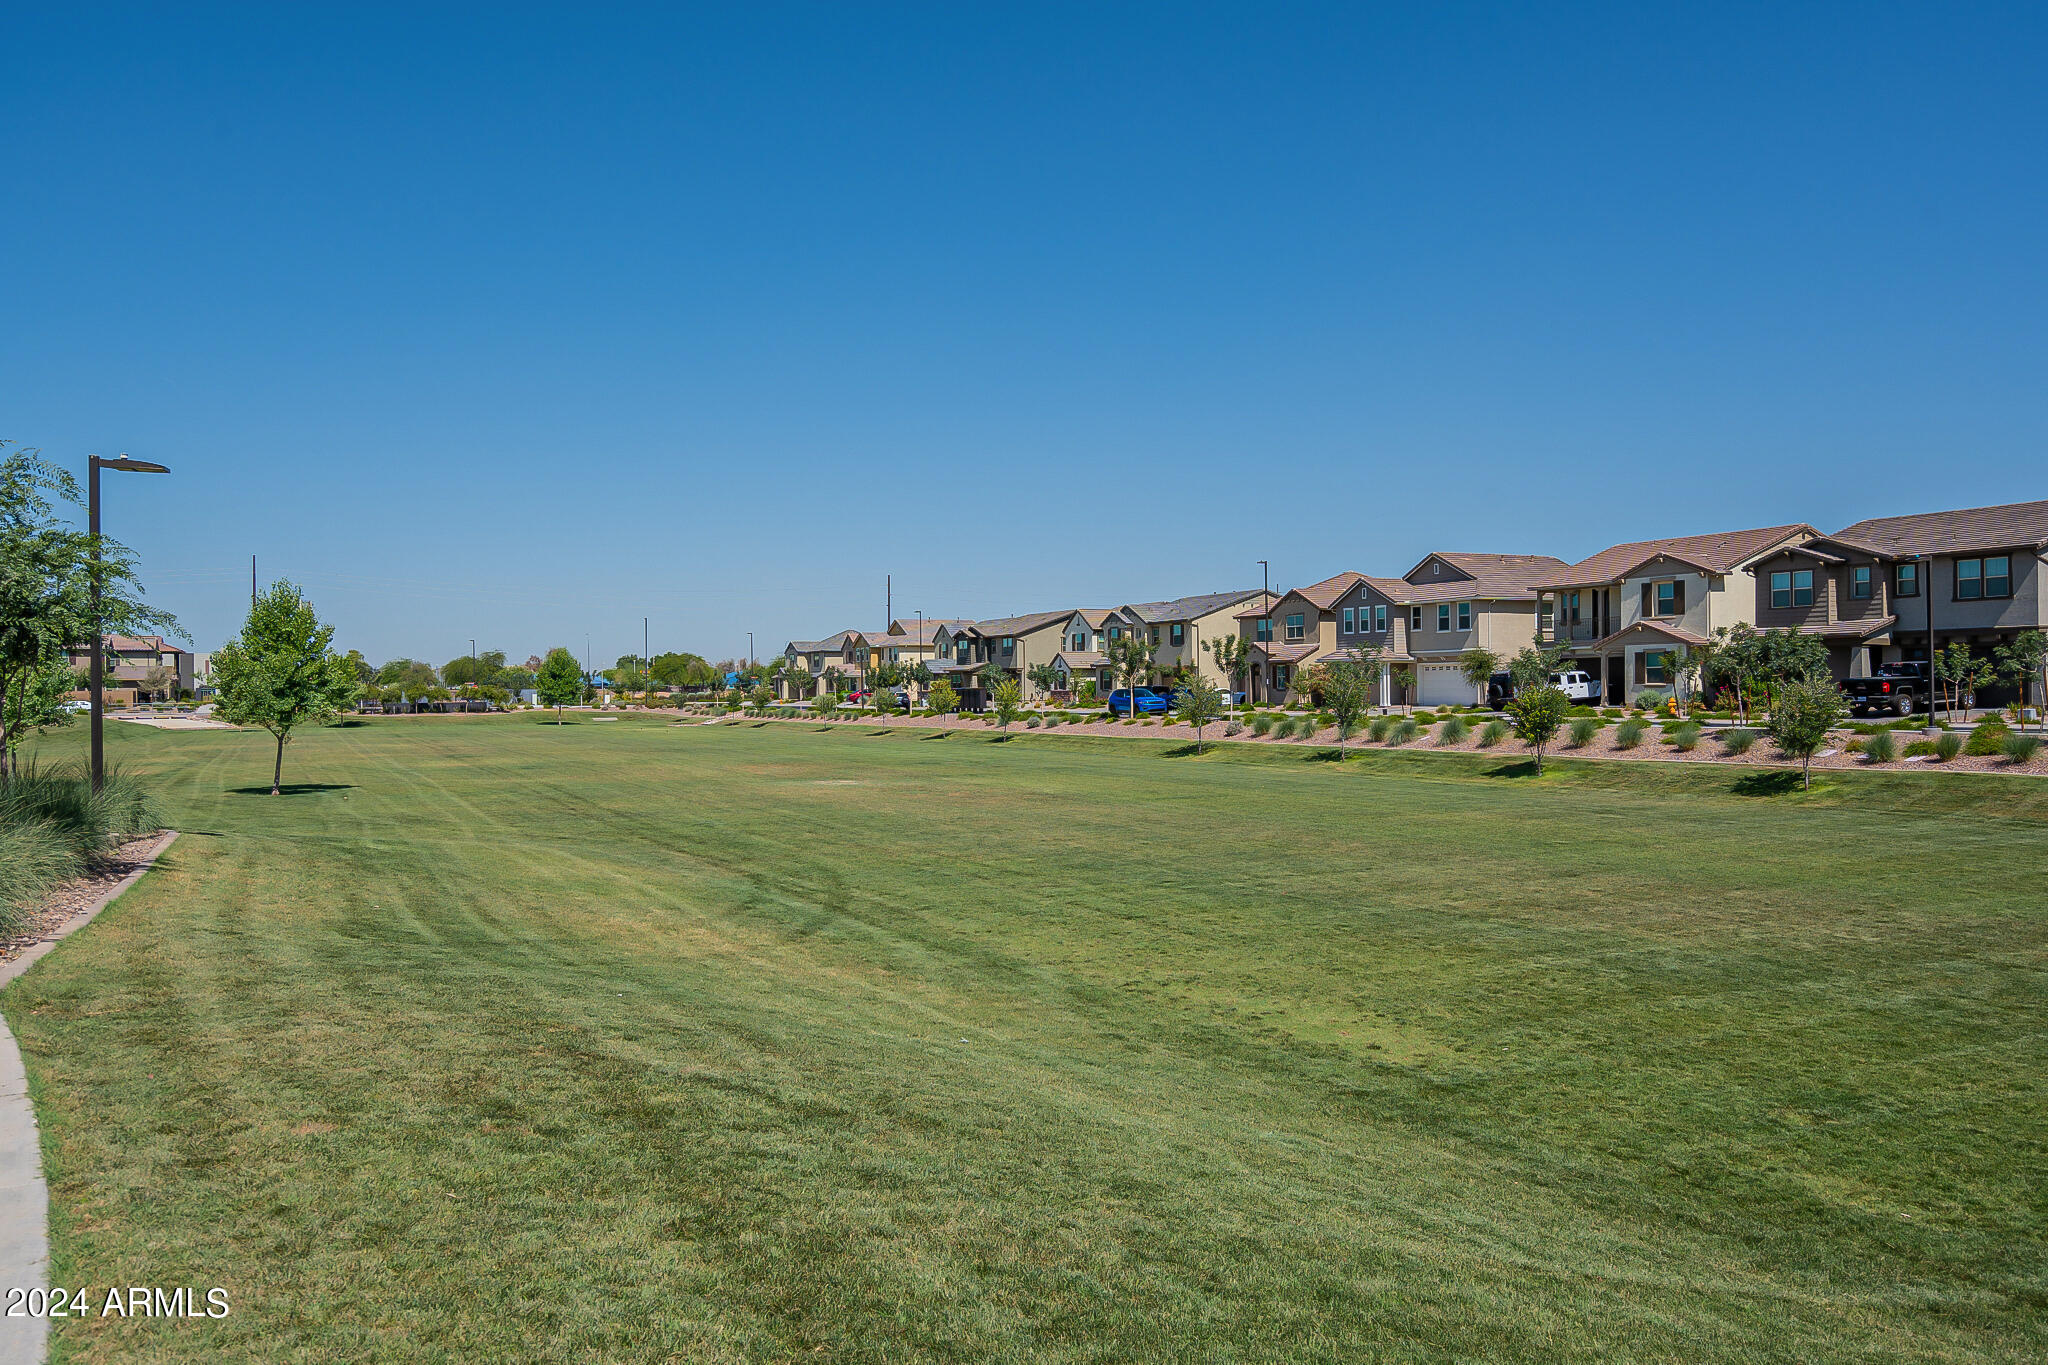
54	828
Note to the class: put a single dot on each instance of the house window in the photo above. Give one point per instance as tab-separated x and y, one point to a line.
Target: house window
1295	629
1155	635
1177	635
1380	615
1280	672
1977	578
1667	598
1116	632
1654	672
1415	618
1263	631
1464	616
1906	580
1859	583
1443	616
1350	621
1009	644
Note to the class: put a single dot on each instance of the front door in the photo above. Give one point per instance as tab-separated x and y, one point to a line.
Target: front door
1615	691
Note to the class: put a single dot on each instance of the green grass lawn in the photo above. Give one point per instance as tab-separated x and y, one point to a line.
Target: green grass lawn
500	1041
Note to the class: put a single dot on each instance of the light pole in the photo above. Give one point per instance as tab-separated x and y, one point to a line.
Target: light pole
99	641
1266	612
472	668
750	649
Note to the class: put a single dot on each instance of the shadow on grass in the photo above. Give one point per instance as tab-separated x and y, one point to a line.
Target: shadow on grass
352	723
1526	768
294	789
1776	783
937	734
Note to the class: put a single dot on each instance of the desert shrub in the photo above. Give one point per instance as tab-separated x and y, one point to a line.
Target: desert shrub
1612	712
1285	728
1948	746
1425	717
1381	727
1406	731
1232	730
53	828
1919	748
1262	723
1453	731
1629	733
1684	738
1494	733
1032	722
1583	730
2022	748
1988	739
1738	741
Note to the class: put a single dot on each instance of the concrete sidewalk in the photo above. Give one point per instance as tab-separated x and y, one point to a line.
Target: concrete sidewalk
24	1198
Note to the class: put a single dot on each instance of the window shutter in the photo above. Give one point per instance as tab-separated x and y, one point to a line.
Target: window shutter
1642	668
1649	601
1678	597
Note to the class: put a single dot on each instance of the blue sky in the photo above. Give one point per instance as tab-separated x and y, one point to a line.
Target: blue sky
521	324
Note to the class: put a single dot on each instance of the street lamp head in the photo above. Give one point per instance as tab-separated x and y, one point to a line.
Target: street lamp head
131	466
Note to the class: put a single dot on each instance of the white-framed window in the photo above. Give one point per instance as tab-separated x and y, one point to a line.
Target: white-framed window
1464	616
1296	630
1350	621
1443	617
1379	614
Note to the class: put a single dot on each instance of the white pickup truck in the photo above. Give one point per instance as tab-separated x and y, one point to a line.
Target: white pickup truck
1580	687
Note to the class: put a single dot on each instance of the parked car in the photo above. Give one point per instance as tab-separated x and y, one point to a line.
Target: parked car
1581	687
1150	701
75	704
859	698
902	696
1895	687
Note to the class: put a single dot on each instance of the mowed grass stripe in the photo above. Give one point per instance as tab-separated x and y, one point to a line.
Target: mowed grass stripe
627	1040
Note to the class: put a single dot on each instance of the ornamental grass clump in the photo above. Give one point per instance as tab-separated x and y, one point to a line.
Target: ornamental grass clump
1684	738
1630	732
1948	746
1405	732
1737	741
1493	733
1262	724
1285	729
1452	731
2022	748
1582	731
1881	746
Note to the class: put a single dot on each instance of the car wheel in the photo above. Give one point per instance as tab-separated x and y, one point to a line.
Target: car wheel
1902	705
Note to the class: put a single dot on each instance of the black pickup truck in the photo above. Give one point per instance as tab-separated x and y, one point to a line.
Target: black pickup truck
1900	688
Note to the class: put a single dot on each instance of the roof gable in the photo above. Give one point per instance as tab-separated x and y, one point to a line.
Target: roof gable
2007	526
1715	552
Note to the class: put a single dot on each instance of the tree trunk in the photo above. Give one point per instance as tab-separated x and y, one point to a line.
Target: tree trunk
1806	774
277	773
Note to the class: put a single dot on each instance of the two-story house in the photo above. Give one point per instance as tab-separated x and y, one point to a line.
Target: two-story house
1083	656
145	667
1622	614
1297	627
1423	622
807	662
1974	575
1180	630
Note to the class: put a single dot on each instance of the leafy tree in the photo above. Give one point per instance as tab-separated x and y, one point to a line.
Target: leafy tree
1130	661
761	698
629	677
1008	699
1683	667
1532	667
467	672
1348	691
1537	713
408	675
160	682
34	703
1477	667
1802	714
1045	678
680	669
364	673
2024	662
944	698
47	571
1311	680
1233	655
826	703
560	681
1961	671
279	673
1200	704
888	674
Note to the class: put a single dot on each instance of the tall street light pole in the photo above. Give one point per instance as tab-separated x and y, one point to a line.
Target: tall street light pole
1265	609
99	638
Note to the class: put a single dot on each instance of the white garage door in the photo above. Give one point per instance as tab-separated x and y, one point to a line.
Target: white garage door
1441	685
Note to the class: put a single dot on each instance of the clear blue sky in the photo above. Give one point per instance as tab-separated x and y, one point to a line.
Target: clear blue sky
525	323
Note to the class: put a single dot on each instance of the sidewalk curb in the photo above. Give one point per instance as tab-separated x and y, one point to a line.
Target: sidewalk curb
24	1198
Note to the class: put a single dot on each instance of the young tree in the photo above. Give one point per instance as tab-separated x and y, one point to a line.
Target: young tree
279	673
1532	667
1802	713
35	702
161	682
1403	679
944	697
560	681
826	703
1008	699
1477	666
1962	672
2024	662
1348	689
1044	677
1537	714
1130	661
1233	655
1201	705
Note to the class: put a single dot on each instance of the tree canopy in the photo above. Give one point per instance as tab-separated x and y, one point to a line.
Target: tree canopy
280	673
560	681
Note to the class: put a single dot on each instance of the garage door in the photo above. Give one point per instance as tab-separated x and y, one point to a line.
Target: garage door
1441	685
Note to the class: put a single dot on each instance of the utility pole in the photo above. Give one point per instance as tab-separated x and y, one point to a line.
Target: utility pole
252	582
750	649
1265	612
646	659
888	599
99	634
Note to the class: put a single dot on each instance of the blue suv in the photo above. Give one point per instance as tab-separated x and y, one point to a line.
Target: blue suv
1151	701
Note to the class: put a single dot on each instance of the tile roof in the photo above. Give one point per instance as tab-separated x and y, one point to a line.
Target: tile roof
1080	658
1684	637
1972	528
914	631
1287	654
1718	552
1853	630
1021	625
1321	595
1095	616
1188	608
